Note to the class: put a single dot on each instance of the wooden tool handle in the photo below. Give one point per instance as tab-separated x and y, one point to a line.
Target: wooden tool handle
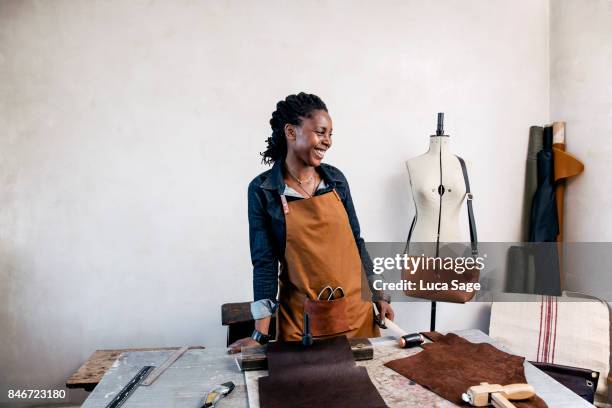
499	401
394	327
518	391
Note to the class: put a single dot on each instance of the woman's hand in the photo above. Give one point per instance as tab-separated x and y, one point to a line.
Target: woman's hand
236	346
385	310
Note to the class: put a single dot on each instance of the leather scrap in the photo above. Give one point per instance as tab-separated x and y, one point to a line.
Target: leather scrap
452	364
321	375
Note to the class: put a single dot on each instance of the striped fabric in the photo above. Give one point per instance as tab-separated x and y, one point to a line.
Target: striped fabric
547	335
559	330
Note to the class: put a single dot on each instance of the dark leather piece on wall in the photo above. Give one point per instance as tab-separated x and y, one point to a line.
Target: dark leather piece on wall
531	177
452	364
322	375
544	222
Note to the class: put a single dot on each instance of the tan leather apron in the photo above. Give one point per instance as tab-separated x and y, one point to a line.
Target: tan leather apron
321	251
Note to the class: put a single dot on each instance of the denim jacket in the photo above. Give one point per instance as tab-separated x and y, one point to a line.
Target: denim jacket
267	228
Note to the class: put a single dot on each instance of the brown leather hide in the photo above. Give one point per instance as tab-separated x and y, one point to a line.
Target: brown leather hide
321	375
452	364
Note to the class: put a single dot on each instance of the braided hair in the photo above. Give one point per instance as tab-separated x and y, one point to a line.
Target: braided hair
291	110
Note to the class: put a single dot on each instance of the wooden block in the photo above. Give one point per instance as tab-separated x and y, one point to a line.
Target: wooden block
254	358
92	371
362	349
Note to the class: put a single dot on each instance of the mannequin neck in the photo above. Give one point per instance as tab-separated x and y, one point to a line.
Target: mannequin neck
439	145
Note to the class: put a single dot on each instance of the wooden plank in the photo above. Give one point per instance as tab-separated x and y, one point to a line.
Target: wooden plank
254	358
92	371
160	369
235	313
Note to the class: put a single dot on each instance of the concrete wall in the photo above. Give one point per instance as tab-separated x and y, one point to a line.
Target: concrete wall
130	130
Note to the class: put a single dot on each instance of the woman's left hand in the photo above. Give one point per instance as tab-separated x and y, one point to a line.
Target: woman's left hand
385	310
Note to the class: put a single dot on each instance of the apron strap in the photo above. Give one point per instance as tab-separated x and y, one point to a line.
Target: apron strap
337	195
285	205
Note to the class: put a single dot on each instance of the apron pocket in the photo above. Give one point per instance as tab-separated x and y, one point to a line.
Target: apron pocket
327	317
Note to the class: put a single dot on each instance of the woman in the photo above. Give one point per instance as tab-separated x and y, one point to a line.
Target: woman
301	218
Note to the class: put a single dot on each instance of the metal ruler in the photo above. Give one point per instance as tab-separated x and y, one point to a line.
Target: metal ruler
130	387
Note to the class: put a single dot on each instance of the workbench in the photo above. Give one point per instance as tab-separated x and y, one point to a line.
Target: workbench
198	371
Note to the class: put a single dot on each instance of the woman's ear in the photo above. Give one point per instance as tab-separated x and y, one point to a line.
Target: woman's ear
290	132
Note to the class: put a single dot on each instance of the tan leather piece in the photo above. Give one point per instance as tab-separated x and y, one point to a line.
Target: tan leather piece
566	166
320	251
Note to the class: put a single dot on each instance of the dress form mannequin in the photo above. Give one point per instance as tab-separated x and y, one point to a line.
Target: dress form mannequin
438	191
437	213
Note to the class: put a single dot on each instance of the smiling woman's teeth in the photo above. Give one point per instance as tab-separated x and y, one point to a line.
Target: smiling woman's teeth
320	153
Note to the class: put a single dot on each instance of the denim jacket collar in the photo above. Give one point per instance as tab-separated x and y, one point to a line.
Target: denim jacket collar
275	179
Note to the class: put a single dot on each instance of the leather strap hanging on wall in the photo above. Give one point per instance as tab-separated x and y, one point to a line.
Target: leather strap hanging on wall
451	365
321	375
443	275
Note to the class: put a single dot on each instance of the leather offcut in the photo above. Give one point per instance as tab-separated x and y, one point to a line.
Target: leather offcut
452	364
323	374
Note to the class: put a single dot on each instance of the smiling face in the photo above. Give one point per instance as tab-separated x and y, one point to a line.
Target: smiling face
309	141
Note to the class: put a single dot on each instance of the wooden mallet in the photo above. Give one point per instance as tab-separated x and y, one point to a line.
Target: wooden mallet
405	340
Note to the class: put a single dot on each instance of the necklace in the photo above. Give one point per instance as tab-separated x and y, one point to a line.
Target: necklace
307	180
300	182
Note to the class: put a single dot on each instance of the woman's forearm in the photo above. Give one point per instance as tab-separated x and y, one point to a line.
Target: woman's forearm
263	325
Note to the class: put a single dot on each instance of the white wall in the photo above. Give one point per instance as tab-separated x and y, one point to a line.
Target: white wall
581	94
130	130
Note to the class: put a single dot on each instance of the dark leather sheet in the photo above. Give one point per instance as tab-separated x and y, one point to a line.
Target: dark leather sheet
322	375
452	364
